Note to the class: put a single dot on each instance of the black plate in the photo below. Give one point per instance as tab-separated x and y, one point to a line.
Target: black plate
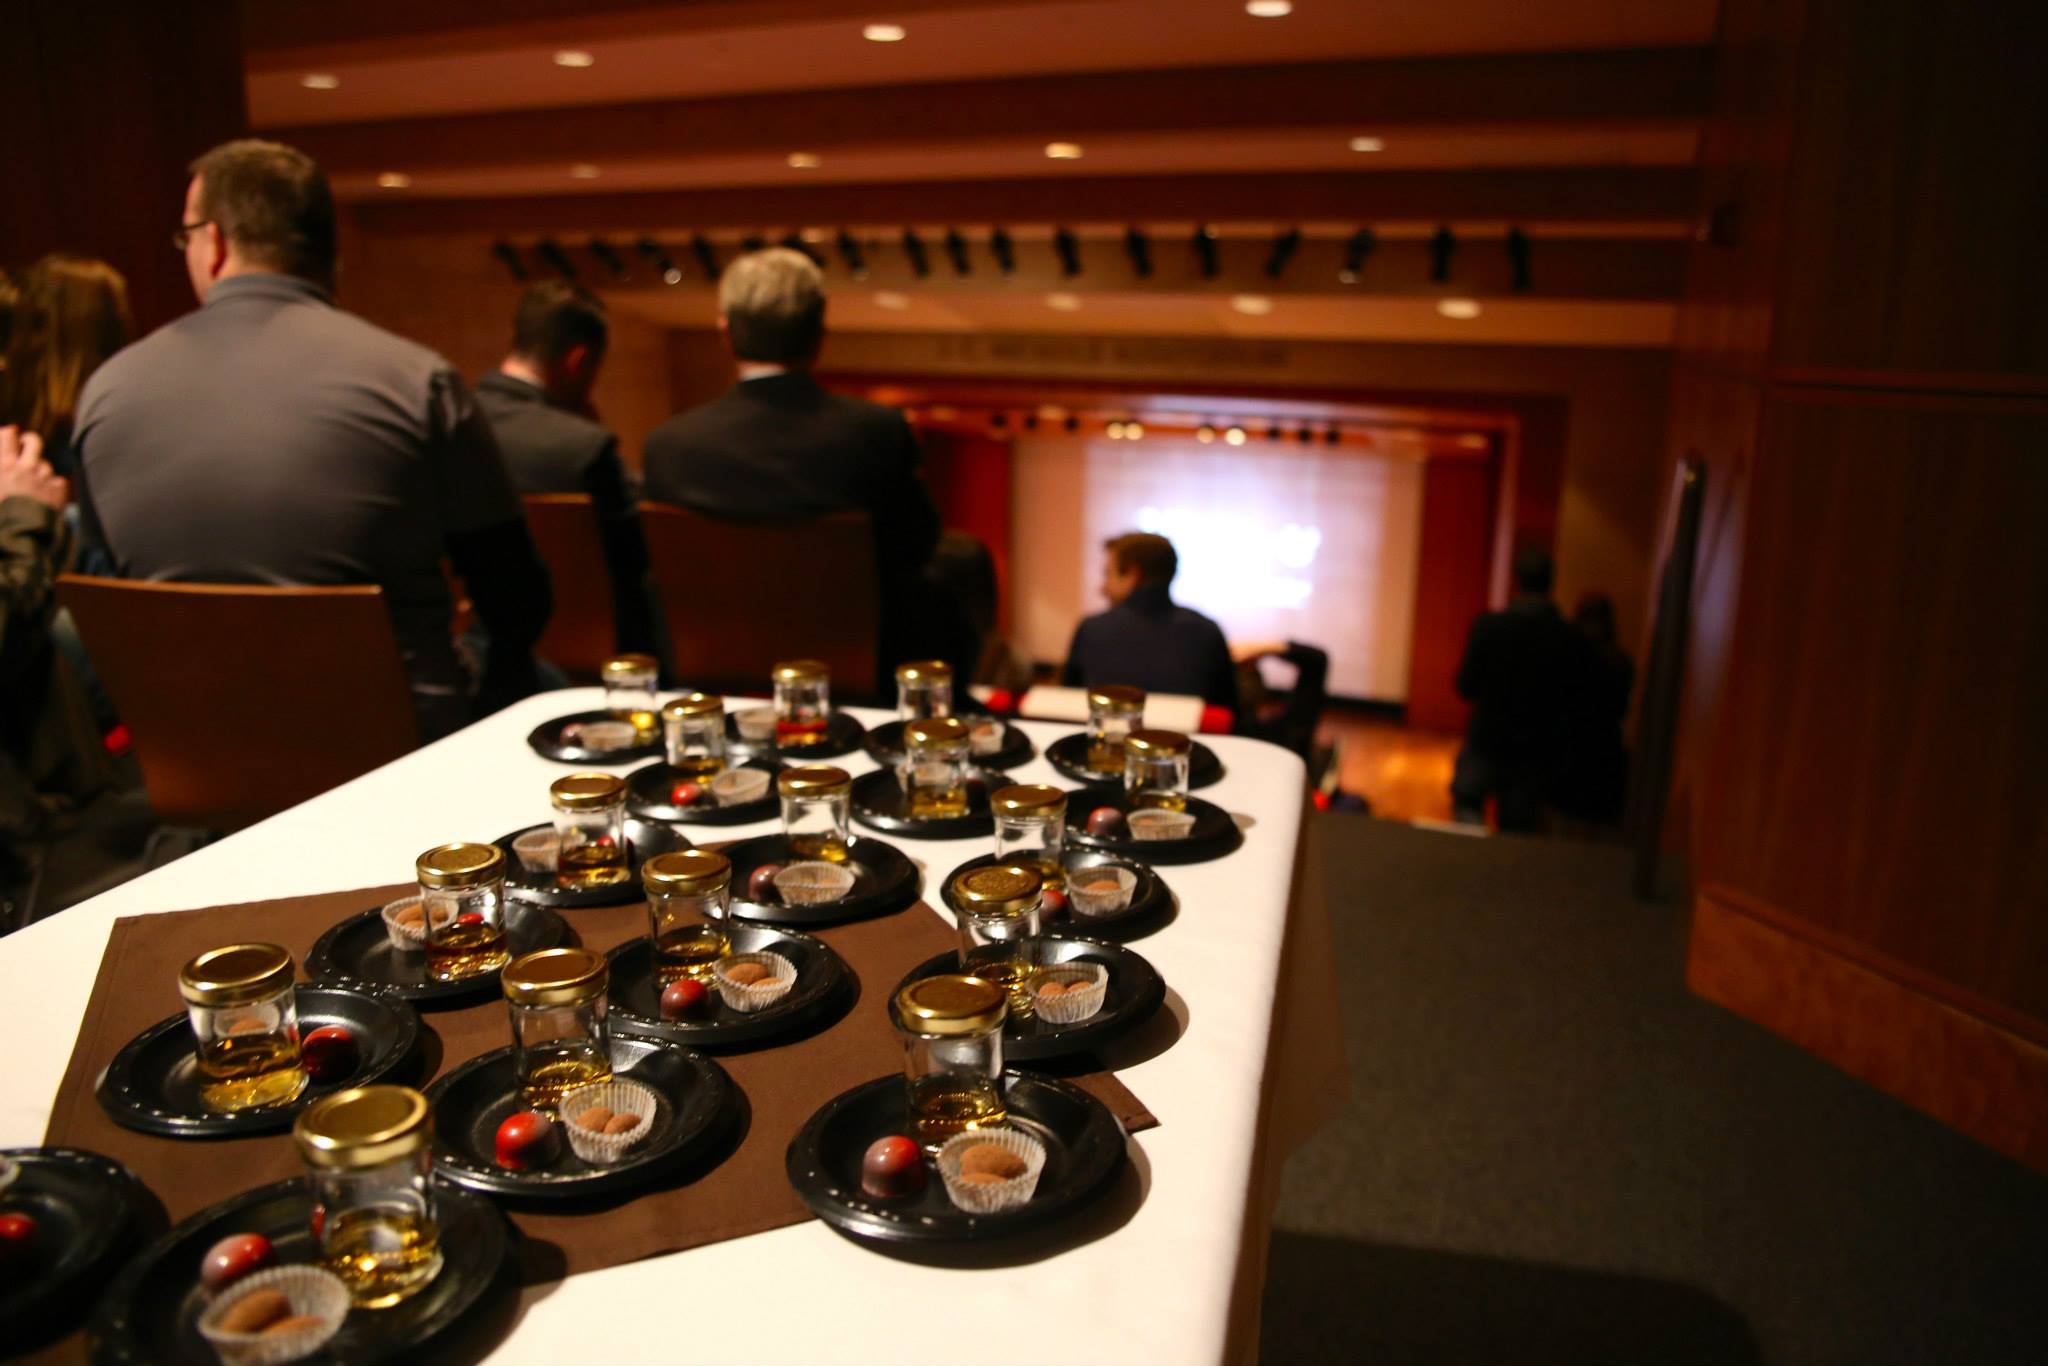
152	1084
843	733
880	803
470	1102
885	747
647	792
150	1314
644	839
1084	1150
546	741
89	1212
1069	754
1214	835
1136	990
1153	904
884	882
357	953
636	995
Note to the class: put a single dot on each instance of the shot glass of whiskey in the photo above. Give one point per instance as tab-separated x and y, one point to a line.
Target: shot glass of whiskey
590	818
952	1030
803	702
1031	828
923	689
245	1021
630	683
369	1159
934	768
693	734
560	1040
689	899
817	804
462	888
1156	769
1113	713
998	908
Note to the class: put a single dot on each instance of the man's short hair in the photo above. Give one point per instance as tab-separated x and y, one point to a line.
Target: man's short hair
555	317
1533	570
273	203
1152	556
774	306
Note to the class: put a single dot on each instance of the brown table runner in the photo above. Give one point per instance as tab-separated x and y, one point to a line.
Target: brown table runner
746	1193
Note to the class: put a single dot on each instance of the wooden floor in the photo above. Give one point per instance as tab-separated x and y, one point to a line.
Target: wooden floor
1404	773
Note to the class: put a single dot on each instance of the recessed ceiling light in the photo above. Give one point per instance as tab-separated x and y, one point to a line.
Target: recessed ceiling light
1065	303
1205	433
1235	436
1115	431
574	57
891	300
1257	305
394	180
1269	9
1368	144
1458	308
320	80
583	170
1133	430
1063	151
805	161
883	33
815	235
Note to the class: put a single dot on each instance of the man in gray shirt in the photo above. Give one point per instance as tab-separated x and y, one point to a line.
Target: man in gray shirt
270	437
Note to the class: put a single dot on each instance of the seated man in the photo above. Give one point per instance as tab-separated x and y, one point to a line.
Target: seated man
270	437
1144	640
777	446
538	403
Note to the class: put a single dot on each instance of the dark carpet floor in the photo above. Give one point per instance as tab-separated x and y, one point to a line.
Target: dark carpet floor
1553	1152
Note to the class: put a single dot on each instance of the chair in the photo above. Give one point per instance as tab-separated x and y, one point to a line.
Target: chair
739	596
581	634
245	700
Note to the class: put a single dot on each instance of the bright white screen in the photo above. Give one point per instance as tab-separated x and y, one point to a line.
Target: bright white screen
1304	543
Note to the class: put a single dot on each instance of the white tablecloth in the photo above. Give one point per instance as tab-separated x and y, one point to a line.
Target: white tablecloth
1177	1282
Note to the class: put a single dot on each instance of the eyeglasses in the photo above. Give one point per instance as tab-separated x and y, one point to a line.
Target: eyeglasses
183	235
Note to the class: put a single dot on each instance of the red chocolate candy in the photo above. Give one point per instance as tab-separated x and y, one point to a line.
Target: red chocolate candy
891	1168
470	918
329	1053
686	794
232	1258
1052	901
17	1239
761	882
682	997
1105	821
525	1140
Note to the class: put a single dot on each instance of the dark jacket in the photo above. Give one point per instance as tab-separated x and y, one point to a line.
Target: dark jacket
1146	641
50	754
1523	672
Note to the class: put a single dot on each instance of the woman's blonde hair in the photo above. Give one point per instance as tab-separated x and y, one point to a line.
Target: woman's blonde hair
72	315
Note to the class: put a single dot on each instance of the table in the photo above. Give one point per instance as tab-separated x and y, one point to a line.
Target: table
1177	1282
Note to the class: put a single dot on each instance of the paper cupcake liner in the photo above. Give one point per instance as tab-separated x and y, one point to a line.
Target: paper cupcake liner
605	1149
1160	825
748	997
601	737
9	1170
738	786
405	938
539	851
1088	904
1072	1007
987	740
813	883
756	723
308	1289
996	1196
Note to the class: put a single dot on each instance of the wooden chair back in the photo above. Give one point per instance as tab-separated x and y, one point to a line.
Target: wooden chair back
741	596
582	633
245	700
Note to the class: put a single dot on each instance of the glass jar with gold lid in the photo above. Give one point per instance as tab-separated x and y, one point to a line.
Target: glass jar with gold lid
693	734
246	1024
631	684
1031	827
924	688
817	803
559	1037
952	1028
369	1159
803	702
590	821
935	767
998	908
1156	769
462	891
1113	712
689	902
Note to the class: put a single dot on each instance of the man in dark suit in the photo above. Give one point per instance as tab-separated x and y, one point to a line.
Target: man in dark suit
1145	639
777	446
538	405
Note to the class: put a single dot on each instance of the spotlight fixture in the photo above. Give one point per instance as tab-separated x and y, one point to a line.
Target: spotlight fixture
707	259
1284	247
1006	255
1272	431
320	80
998	420
1069	249
651	252
753	242
509	254
608	258
1072	424
1140	252
1205	251
884	33
1442	244
1518	260
1331	435
1031	422
794	240
552	253
913	247
1303	434
1361	245
1205	433
956	251
849	251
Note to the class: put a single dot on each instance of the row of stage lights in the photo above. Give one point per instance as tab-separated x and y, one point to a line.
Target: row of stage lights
999	423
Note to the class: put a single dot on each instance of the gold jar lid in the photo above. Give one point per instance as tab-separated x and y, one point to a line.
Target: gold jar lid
695	704
934	730
821	780
1027	799
1116	697
951	1005
687	870
452	867
587	791
235	975
556	977
364	1126
620	667
800	671
1155	744
998	889
925	671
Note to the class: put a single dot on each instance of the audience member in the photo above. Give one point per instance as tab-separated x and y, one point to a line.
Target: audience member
1145	639
71	317
1522	672
777	446
538	404
1594	777
270	437
1287	716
